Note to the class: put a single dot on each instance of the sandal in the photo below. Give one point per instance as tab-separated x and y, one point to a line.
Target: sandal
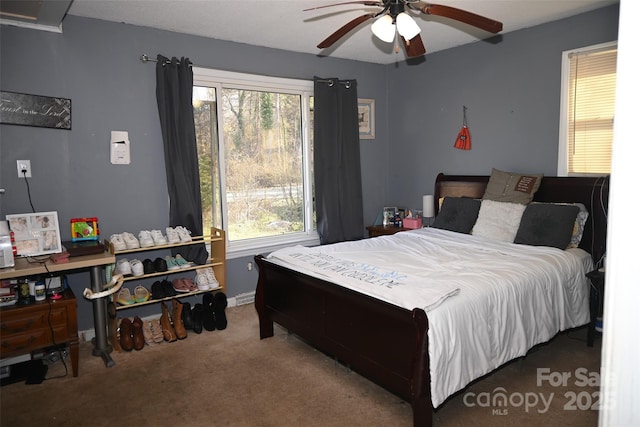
141	294
124	297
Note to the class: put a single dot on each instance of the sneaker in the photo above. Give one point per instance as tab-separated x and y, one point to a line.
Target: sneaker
148	267
118	242
213	282
123	267
124	297
137	269
141	294
202	281
157	291
181	262
160	265
167	287
171	263
158	238
172	235
145	238
183	233
130	240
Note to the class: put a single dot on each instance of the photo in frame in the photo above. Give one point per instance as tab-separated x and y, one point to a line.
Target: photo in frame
388	215
36	233
367	118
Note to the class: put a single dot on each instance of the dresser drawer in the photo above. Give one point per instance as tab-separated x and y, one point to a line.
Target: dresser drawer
33	339
14	322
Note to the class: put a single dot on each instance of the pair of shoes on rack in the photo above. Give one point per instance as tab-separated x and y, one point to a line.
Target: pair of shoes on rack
141	294
152	332
124	297
178	234
164	289
128	268
206	279
172	327
131	334
159	265
151	238
213	315
124	241
183	284
177	262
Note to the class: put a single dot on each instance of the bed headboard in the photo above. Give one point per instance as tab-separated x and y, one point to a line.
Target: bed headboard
593	192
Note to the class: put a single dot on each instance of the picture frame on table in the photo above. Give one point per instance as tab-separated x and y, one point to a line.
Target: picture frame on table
36	233
388	215
367	118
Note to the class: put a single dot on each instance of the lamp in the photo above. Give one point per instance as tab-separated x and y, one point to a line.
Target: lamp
428	210
385	27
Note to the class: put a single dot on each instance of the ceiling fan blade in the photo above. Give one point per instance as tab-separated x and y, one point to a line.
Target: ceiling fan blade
478	21
414	47
366	3
342	31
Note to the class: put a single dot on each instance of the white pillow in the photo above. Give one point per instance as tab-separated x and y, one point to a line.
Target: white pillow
498	220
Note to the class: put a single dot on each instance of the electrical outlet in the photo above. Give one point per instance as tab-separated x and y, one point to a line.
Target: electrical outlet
24	165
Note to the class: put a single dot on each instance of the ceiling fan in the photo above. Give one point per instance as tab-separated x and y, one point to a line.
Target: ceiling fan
393	18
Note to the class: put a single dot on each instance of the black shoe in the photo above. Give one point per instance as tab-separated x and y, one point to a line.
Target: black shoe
208	315
167	287
157	290
160	265
187	317
197	313
219	304
147	264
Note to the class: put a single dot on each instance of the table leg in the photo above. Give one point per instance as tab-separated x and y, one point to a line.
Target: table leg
101	345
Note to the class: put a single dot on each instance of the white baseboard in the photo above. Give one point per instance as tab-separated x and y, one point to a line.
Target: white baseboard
240	299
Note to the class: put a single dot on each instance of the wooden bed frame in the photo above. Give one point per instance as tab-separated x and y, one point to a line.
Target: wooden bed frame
385	343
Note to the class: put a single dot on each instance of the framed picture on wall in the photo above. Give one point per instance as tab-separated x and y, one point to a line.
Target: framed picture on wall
36	233
367	118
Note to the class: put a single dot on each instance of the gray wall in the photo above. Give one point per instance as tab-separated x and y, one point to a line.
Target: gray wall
511	89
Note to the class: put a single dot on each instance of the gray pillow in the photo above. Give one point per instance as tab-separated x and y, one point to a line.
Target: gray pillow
547	225
457	214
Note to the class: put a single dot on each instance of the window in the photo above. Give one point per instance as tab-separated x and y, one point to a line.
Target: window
587	110
255	157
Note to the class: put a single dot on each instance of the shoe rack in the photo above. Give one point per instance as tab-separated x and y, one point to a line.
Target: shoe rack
217	261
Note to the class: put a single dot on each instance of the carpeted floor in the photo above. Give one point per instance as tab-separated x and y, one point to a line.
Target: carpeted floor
232	378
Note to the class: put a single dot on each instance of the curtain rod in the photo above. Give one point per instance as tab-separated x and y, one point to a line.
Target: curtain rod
346	83
145	58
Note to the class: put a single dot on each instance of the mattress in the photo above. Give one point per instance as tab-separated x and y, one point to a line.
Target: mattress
487	301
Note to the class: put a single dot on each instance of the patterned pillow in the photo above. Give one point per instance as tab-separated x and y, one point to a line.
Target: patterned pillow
511	187
498	220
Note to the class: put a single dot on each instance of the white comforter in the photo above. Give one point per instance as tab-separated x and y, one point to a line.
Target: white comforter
487	301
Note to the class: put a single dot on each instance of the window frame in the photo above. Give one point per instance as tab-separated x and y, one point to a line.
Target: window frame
220	79
563	139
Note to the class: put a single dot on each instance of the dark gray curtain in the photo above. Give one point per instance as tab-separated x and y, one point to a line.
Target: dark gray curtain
174	91
336	162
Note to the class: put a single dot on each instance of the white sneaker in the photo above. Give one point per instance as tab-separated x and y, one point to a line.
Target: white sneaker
211	277
183	233
130	240
145	239
118	242
123	267
172	235
202	281
137	268
158	238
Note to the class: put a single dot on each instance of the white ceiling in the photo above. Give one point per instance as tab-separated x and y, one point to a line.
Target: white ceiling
283	24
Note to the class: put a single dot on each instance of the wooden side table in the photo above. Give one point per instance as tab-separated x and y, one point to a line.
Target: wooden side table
384	230
596	302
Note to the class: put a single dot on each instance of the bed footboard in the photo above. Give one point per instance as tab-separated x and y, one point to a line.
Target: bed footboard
384	343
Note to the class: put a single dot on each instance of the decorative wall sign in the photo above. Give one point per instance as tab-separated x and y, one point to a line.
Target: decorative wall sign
367	118
34	110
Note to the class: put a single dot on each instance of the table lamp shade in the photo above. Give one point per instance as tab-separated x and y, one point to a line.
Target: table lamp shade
428	210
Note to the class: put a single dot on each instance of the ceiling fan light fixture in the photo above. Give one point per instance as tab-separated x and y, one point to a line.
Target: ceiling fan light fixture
407	27
384	29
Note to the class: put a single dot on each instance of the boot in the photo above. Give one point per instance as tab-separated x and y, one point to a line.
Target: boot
138	334
167	329
176	315
196	314
126	337
187	317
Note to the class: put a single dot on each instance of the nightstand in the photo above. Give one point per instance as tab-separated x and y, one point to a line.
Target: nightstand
596	302
384	230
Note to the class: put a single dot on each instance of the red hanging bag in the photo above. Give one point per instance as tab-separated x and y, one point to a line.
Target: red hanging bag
463	141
